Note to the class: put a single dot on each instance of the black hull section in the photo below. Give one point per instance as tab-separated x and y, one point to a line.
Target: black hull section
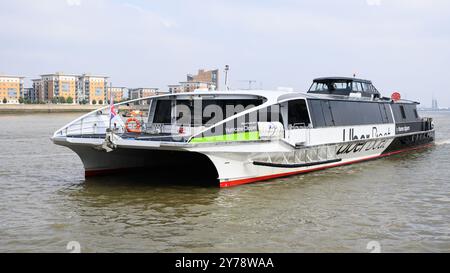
410	141
148	165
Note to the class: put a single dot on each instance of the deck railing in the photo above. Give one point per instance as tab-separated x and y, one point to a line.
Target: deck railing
97	122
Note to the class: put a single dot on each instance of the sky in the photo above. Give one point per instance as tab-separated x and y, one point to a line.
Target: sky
401	45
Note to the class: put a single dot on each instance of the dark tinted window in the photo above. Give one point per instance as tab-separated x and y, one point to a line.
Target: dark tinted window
328	116
163	112
223	108
321	113
345	113
315	107
397	114
356	113
402	111
411	112
405	112
383	113
298	113
388	113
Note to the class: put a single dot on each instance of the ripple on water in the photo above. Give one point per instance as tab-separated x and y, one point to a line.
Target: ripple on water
401	201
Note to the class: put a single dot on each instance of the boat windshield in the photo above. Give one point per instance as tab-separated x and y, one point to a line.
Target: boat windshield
330	86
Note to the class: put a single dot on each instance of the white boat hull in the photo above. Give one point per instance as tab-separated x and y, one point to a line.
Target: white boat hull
235	163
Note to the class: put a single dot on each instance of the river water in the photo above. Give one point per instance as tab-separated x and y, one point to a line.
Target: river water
401	202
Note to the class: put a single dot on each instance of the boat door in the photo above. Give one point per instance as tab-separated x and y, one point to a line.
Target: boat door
298	122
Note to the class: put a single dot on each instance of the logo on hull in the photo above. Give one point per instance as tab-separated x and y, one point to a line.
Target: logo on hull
350	134
362	147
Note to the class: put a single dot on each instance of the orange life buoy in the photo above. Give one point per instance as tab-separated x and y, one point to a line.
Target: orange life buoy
136	127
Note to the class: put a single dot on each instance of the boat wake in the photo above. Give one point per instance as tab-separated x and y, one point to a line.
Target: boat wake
443	142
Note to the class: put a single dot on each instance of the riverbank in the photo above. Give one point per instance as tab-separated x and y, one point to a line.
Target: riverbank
45	108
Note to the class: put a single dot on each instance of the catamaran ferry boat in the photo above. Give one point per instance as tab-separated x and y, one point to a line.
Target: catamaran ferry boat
243	136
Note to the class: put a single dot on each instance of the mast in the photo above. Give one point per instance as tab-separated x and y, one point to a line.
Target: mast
227	67
111	102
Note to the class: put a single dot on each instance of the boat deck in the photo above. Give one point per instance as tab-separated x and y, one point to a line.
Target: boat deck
137	136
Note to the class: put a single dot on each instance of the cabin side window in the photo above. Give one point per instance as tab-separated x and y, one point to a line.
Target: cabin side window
298	113
344	113
327	114
405	112
317	116
208	112
356	113
321	114
388	113
402	111
163	112
244	127
411	113
385	113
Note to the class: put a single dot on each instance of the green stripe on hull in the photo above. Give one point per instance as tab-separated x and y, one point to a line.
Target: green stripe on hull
245	136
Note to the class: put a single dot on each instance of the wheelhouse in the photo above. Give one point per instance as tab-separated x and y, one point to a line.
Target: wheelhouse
344	86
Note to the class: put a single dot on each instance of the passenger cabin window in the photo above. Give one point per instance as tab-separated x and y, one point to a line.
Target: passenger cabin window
247	122
326	113
385	113
402	111
405	113
163	112
298	114
210	111
315	108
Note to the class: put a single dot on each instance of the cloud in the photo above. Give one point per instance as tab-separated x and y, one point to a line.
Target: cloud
373	2
73	2
282	43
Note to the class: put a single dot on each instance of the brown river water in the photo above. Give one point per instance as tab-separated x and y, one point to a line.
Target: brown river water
401	202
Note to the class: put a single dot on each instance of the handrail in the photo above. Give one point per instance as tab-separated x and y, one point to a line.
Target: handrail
104	108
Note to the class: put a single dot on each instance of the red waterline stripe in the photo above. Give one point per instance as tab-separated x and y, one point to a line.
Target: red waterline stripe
272	176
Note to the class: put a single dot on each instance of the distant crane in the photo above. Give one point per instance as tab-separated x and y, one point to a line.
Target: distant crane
250	82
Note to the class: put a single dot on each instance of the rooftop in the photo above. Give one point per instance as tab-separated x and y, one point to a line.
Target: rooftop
341	79
11	76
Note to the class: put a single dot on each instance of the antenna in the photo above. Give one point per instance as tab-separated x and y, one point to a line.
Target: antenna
227	67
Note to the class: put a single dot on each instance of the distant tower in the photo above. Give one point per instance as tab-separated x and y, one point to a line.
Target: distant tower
434	104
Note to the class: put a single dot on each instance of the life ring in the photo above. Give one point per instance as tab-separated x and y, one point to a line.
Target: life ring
136	127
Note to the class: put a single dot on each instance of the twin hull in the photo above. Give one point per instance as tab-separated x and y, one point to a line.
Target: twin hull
234	163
